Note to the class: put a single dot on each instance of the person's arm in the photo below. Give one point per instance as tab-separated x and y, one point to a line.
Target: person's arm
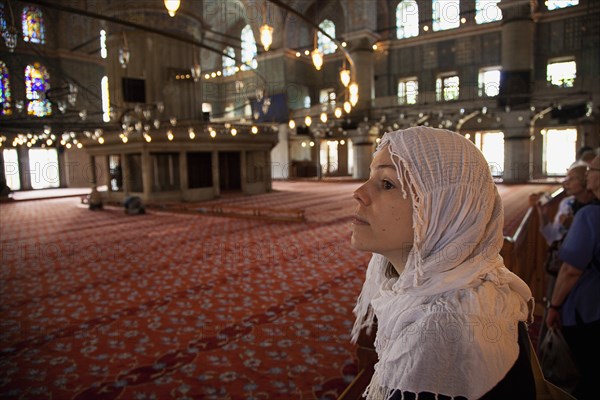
565	282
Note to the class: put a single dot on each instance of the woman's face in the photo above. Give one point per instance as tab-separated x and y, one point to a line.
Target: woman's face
593	176
383	218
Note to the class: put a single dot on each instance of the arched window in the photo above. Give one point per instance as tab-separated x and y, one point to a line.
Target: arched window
326	45
446	14
33	25
229	62
5	96
407	19
249	49
37	80
487	11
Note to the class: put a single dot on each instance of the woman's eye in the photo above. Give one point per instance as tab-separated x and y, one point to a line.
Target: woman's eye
387	185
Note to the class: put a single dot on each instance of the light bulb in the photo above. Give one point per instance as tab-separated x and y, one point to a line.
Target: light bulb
266	36
317	59
345	77
323	117
292	124
347	107
308	120
172	6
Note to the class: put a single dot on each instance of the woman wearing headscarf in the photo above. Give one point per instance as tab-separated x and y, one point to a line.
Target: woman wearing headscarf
447	308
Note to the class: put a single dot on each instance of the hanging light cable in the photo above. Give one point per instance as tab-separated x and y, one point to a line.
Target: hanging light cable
196	68
124	52
10	33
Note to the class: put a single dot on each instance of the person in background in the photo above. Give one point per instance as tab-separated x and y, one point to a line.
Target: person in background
586	154
577	197
432	217
575	302
95	200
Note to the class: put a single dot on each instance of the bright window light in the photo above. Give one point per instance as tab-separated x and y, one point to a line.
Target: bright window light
228	61
11	168
447	88
491	145
487	11
326	45
249	49
407	19
557	4
408	90
105	99
561	73
446	14
103	51
489	82
559	150
43	168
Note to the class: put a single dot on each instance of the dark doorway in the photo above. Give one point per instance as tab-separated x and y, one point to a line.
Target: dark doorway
230	171
199	170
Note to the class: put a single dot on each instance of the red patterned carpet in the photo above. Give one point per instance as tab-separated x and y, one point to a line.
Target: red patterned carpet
100	305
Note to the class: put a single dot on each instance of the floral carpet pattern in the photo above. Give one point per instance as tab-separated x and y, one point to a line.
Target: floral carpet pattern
101	305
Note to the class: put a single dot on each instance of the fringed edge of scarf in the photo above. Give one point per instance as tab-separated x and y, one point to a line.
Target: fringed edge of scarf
377	392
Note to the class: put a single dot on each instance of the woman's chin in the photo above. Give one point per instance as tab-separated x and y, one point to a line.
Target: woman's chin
357	244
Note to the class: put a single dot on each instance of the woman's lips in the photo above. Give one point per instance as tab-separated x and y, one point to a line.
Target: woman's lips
359	221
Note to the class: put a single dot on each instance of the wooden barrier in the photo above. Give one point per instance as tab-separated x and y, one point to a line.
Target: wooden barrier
524	254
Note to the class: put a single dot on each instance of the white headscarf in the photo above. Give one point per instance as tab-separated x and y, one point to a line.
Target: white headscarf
448	324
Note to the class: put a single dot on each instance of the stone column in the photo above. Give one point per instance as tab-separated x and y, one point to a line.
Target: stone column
362	144
361	51
147	174
93	177
518	166
215	174
243	172
2	176
24	168
106	175
516	87
517	54
268	172
125	175
183	172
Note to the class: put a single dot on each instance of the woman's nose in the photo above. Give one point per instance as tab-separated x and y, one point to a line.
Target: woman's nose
361	196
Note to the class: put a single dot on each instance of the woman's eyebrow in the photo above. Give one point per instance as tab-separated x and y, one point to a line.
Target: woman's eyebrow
382	166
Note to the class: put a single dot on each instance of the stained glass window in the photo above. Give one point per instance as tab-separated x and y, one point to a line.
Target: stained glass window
2	18
249	49
326	45
37	81
5	96
33	25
